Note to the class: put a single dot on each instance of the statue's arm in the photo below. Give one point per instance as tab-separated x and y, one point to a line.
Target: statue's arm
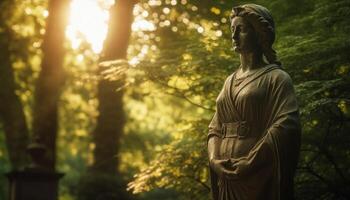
214	142
213	147
214	138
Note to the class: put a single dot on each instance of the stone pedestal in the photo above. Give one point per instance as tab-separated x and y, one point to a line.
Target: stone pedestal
33	185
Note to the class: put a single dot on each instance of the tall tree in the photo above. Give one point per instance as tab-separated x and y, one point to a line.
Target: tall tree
111	119
103	180
11	110
45	124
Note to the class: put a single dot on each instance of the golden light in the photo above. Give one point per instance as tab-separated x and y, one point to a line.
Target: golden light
89	21
143	25
140	23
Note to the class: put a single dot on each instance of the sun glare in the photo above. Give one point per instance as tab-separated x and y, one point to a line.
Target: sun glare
87	20
143	25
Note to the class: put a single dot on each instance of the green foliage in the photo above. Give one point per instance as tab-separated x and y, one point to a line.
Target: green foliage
100	186
325	157
315	42
181	165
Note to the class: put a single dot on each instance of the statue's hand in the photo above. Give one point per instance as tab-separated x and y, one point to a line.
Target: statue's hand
227	168
237	168
218	166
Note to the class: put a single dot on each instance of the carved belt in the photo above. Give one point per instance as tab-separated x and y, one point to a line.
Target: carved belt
238	129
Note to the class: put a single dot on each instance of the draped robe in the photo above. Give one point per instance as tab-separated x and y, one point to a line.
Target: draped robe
263	163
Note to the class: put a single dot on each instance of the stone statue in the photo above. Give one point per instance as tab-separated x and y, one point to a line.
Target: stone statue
254	136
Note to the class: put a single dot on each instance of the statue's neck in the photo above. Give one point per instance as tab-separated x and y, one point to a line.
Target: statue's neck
250	61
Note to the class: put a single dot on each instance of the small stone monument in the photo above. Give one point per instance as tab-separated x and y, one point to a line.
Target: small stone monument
34	182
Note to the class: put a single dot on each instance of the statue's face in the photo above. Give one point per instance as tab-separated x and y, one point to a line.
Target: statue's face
244	39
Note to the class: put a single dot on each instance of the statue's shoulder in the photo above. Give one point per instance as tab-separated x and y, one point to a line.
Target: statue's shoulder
278	74
228	79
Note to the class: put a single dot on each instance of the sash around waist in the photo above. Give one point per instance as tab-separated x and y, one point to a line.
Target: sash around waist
238	138
239	129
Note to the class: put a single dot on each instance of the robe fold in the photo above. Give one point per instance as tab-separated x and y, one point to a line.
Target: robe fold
262	161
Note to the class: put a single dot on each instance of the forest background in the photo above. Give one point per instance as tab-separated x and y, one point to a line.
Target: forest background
135	126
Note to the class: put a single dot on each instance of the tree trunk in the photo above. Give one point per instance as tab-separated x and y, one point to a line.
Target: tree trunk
103	181
50	81
11	109
111	119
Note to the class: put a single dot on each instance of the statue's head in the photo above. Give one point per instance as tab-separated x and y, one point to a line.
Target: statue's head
253	29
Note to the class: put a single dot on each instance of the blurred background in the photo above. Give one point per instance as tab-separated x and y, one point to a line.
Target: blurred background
128	120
